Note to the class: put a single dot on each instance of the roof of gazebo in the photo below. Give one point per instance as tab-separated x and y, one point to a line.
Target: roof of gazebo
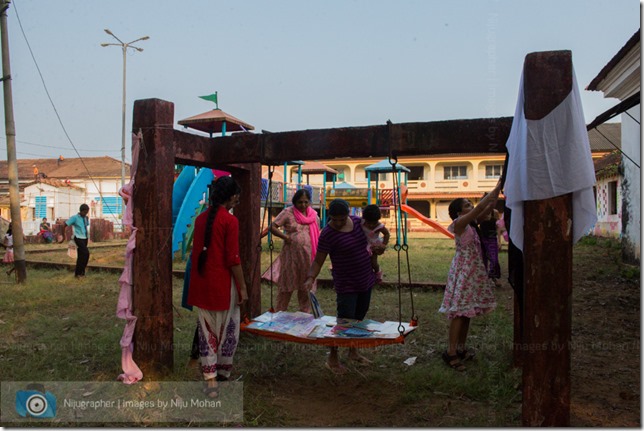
212	122
316	168
385	166
345	185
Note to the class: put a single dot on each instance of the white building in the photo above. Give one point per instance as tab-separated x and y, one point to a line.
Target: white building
51	198
55	188
620	78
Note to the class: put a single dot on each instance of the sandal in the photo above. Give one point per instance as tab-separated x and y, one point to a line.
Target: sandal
453	361
466	354
211	391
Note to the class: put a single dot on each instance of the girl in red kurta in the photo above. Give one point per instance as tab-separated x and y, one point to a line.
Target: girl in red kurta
217	286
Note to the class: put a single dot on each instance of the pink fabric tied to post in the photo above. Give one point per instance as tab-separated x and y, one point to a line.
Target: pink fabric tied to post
131	372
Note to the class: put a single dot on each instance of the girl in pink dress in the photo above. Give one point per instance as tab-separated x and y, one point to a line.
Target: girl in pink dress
469	290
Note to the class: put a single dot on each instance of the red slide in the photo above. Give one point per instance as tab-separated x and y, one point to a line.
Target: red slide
409	210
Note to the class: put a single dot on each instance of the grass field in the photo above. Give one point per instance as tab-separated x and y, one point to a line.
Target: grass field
55	327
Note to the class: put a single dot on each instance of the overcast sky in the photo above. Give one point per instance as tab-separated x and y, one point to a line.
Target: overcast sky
291	64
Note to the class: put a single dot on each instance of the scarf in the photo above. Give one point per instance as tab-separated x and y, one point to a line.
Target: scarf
314	230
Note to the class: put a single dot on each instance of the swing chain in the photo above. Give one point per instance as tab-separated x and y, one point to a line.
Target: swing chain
397	203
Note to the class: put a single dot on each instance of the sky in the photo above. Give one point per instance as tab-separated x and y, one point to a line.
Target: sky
284	65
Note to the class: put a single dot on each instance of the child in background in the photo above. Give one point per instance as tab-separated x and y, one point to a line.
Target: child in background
7	243
502	232
469	290
490	243
372	229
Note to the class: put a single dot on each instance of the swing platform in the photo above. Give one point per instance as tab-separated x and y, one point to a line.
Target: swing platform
304	328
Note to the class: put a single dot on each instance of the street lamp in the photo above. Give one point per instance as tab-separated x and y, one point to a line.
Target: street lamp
124	47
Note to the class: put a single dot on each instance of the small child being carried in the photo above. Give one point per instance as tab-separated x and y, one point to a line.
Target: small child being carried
372	229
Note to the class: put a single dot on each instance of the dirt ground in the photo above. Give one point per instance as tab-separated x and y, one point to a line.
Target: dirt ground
606	376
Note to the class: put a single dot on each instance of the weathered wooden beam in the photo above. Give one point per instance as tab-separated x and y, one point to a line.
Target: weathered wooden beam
486	135
249	177
195	150
152	272
547	252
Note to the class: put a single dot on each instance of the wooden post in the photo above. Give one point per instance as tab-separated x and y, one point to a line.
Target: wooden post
547	251
152	272
249	177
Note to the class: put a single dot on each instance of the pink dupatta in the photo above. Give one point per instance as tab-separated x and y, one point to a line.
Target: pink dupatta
311	218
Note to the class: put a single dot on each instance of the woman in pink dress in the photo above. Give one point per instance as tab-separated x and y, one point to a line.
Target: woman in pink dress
469	290
301	230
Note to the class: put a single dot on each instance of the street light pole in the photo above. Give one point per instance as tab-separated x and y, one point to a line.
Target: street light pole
124	46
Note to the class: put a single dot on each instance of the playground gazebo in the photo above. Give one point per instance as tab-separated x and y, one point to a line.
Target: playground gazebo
313	168
216	121
384	166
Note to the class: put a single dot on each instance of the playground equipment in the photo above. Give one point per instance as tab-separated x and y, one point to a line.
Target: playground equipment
215	121
313	168
356	197
395	168
327	330
189	191
187	202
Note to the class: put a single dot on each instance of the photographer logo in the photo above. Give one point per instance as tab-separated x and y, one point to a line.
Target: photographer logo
35	402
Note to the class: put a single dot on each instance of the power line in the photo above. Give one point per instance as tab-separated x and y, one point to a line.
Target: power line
61	148
51	101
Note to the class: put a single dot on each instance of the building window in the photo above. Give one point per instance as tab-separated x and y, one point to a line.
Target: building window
41	207
493	171
340	174
110	206
376	176
454	172
416	173
612	197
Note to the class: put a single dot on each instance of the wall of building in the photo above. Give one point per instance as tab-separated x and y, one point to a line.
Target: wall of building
631	187
609	208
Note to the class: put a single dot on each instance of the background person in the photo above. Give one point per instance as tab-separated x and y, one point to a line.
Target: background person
7	243
490	243
301	232
80	224
373	229
353	277
45	231
217	286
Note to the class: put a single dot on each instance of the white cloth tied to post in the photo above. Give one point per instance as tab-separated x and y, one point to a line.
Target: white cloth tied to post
550	157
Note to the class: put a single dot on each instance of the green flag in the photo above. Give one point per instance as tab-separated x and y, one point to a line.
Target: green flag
211	98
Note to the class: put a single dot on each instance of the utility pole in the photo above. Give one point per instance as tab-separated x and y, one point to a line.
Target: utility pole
12	164
124	46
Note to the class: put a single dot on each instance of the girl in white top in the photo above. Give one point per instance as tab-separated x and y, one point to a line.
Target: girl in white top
8	245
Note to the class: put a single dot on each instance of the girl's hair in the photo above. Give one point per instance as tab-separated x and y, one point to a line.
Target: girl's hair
9	231
371	213
455	207
338	207
221	190
298	195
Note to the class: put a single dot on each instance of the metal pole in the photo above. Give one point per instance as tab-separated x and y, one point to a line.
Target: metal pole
12	163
